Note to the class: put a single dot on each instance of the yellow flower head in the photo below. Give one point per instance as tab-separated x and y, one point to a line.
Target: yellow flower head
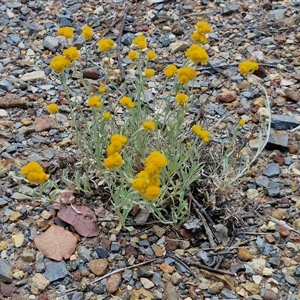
106	116
140	41
102	89
170	70
248	67
152	192
114	160
52	108
140	183
181	99
189	144
34	172
59	63
197	129
149	73
197	54
127	102
199	37
186	74
87	32
154	163
133	55
151	55
71	53
67	32
203	27
242	122
94	101
149	125
106	44
122	139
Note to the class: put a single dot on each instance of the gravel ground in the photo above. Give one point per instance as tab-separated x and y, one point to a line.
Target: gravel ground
260	259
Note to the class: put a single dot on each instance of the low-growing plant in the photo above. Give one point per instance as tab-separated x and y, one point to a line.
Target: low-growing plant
149	152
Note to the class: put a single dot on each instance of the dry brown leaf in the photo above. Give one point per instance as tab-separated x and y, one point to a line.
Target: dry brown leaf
56	243
82	218
225	278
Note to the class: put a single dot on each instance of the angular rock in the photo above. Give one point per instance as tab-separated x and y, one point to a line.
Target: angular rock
278	140
32	76
170	292
5	271
18	239
270	295
272	170
6	85
38	283
178	46
44	124
55	270
283	122
51	43
293	149
244	254
292	95
12	100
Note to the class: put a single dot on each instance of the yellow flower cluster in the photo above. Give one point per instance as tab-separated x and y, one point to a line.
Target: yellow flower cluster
127	102
197	54
67	32
248	67
170	70
203	134
59	63
133	55
186	74
94	101
151	55
114	159
149	73
87	32
147	182
52	108
71	53
181	99
148	125
105	45
140	41
201	29
34	172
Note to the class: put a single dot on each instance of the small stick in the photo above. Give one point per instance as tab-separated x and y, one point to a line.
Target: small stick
201	266
282	223
206	227
119	43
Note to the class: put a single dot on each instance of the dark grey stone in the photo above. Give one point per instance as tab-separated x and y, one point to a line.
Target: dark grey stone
262	181
115	247
3	202
165	40
127	38
6	85
272	170
84	253
77	296
33	27
13	38
55	270
226	294
156	279
102	252
290	280
5	271
283	122
278	140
